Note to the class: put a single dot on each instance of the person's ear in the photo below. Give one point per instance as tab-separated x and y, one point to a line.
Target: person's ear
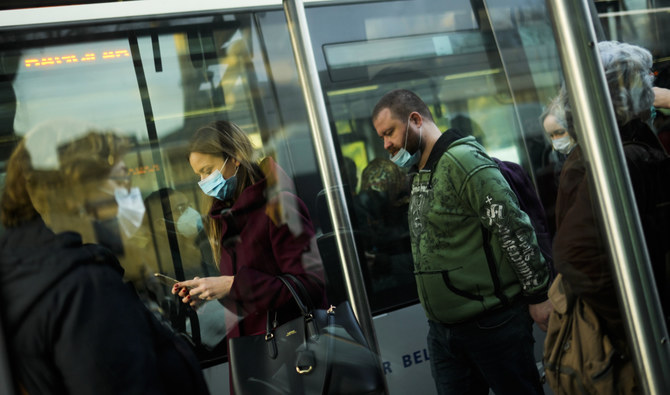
416	119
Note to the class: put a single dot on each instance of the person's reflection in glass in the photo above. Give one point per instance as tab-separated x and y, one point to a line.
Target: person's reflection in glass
180	231
185	223
73	325
384	198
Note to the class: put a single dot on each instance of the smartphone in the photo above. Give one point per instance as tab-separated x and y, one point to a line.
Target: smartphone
167	280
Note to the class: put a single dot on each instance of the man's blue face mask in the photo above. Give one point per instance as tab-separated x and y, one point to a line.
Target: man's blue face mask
403	158
218	187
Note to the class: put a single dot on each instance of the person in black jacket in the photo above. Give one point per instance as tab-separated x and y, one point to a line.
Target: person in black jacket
72	325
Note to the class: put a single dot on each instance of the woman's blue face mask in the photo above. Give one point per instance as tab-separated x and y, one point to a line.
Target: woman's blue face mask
218	187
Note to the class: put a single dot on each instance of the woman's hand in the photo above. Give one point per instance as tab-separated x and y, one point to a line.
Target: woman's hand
199	289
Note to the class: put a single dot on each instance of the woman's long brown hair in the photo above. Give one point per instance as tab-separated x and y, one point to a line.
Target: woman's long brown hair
227	140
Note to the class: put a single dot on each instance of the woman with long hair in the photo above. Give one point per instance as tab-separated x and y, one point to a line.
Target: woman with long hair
257	228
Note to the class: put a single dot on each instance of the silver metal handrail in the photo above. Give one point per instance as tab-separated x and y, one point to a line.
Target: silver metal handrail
598	135
328	166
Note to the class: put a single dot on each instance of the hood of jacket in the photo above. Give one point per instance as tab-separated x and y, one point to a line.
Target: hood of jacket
446	139
33	259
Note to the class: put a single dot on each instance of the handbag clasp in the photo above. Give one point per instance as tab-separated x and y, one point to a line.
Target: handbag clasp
304	371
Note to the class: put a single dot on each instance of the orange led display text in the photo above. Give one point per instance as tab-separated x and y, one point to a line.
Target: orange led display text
139	170
65	59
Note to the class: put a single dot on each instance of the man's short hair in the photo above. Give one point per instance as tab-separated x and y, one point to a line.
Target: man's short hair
402	102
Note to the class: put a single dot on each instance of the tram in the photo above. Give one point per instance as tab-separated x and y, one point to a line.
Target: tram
154	71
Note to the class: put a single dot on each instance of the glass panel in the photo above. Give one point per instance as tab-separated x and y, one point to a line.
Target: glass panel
580	249
645	24
153	84
530	59
447	54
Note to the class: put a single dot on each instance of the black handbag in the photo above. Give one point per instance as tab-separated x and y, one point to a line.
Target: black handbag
320	352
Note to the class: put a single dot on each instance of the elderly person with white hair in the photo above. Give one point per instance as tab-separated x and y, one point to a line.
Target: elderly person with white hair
580	250
555	127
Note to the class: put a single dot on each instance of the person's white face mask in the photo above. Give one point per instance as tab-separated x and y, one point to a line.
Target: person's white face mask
131	209
190	223
564	144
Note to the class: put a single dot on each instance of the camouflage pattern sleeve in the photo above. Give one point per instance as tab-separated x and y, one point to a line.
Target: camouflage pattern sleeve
488	193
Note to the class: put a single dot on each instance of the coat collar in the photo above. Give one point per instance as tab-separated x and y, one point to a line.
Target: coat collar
441	145
253	197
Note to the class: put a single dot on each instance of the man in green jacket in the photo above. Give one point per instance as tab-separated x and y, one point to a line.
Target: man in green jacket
480	275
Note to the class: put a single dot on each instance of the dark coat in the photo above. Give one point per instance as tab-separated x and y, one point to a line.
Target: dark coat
580	250
265	233
74	327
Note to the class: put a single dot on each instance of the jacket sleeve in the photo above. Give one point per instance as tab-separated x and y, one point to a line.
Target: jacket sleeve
488	194
102	343
295	251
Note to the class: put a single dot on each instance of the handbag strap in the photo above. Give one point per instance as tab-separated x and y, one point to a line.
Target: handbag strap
301	305
301	289
311	327
271	323
330	322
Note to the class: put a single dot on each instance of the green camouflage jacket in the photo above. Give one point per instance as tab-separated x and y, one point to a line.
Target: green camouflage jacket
462	210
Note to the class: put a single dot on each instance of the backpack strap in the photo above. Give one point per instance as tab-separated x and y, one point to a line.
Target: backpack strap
440	147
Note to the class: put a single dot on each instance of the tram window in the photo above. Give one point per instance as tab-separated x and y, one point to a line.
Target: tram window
155	83
449	56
